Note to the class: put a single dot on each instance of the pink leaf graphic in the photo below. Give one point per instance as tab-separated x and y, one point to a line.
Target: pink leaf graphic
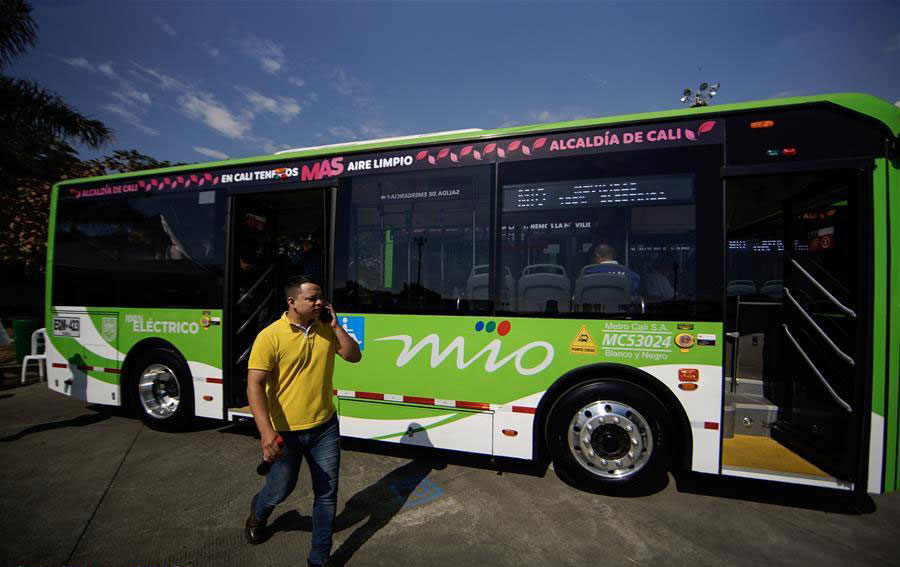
489	148
215	180
180	179
443	153
689	134
465	151
500	152
539	143
513	146
202	181
525	150
477	154
187	183
431	160
453	157
421	155
706	126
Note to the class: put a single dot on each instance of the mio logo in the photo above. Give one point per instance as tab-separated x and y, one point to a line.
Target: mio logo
458	345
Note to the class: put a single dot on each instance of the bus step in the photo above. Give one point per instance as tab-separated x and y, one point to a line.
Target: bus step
753	415
239	414
749	386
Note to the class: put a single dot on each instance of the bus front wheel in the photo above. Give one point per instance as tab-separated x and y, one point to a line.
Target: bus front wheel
161	390
608	435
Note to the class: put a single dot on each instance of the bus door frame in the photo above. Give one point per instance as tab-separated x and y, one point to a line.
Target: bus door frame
328	190
862	399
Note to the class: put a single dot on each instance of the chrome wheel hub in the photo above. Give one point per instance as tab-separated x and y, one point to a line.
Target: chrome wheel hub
610	439
159	391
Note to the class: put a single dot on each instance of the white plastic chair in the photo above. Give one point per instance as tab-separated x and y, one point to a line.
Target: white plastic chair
38	349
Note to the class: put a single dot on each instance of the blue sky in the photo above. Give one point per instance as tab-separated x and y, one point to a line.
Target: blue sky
197	81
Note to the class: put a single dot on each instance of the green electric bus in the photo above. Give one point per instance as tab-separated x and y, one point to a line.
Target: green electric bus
711	289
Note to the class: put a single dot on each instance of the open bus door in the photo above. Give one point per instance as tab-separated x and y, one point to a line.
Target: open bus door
822	348
267	231
797	267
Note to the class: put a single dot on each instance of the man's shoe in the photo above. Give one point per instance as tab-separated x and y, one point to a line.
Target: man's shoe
327	563
254	530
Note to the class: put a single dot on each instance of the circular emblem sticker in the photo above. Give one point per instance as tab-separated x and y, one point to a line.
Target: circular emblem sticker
684	340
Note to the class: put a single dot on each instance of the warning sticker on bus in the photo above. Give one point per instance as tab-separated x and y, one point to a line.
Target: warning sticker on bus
66	327
583	343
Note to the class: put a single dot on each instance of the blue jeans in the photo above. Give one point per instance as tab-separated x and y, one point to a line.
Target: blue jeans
322	447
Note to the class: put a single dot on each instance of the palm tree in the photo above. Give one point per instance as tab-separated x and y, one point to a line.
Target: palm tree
35	125
17	30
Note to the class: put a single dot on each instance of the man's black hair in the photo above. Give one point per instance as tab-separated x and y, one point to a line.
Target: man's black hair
292	287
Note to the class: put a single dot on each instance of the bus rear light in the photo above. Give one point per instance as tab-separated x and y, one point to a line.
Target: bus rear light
207	398
688	386
510	432
762	124
688	375
789	151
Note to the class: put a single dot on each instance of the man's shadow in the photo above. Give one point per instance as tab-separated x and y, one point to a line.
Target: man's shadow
375	505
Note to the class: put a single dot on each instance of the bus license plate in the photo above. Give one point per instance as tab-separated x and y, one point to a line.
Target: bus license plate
66	326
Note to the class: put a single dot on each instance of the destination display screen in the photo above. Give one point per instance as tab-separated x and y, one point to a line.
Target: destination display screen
609	192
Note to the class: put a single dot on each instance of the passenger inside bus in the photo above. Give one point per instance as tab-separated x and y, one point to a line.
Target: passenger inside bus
657	281
309	260
605	262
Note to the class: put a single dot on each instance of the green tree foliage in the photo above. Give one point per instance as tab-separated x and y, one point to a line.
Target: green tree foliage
36	126
17	30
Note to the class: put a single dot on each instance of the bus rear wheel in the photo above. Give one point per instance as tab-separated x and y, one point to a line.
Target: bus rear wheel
161	390
608	435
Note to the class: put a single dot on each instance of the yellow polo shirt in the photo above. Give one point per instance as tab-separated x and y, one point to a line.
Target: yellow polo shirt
300	365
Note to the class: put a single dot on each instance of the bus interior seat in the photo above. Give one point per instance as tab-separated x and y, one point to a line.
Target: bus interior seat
741	287
477	286
478	283
508	294
773	288
608	291
544	288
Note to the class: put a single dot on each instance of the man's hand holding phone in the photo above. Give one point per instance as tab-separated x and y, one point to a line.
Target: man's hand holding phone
327	314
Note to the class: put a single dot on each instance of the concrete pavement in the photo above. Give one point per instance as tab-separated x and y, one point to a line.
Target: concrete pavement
88	486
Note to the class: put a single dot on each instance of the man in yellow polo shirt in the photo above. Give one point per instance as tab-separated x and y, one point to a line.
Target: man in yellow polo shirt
289	389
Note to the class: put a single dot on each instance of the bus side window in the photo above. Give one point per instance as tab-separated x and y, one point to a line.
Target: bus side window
615	237
421	242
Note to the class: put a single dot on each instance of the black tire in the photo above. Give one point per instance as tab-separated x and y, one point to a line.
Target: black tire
609	436
161	390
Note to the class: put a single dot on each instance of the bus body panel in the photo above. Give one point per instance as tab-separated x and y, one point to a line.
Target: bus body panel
86	348
455	363
889	176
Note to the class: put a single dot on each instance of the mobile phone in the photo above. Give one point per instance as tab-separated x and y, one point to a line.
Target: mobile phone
325	315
